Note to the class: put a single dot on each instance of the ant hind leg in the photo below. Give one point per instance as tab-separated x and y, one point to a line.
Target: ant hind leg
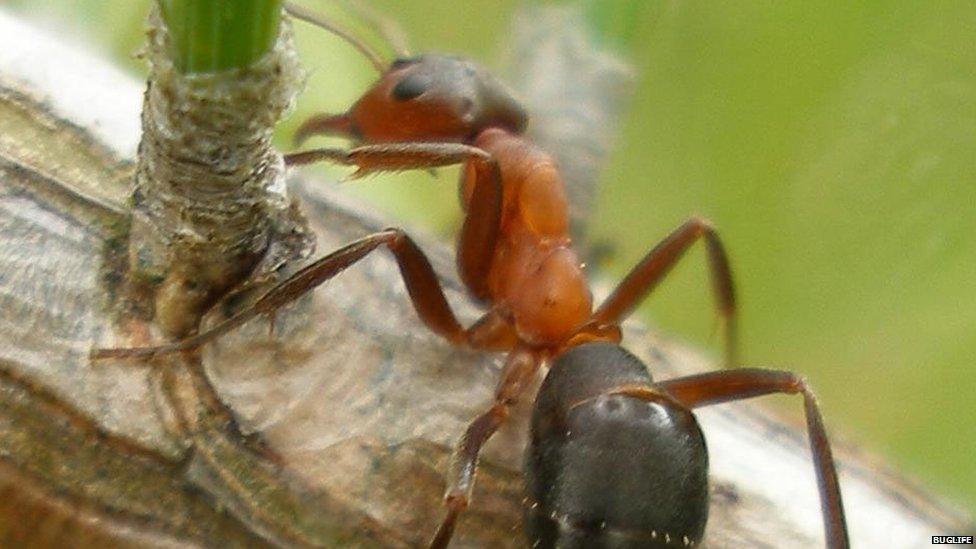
739	384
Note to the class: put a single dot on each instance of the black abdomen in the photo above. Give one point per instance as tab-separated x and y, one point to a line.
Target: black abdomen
612	470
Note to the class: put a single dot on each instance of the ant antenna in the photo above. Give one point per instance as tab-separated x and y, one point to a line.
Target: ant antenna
299	12
388	28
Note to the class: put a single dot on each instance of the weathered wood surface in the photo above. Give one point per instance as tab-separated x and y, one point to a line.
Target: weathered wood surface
354	403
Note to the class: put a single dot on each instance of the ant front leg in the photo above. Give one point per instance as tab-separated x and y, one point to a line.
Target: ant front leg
491	332
644	277
391	157
726	386
479	234
520	369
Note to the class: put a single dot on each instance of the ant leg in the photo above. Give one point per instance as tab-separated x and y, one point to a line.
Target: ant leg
479	233
418	276
476	247
520	369
730	385
391	156
386	27
644	277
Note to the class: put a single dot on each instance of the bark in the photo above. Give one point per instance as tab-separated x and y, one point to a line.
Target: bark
349	408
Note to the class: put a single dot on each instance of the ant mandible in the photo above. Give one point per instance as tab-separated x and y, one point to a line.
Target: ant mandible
614	458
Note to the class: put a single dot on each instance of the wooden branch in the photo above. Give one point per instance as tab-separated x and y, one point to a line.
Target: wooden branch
353	404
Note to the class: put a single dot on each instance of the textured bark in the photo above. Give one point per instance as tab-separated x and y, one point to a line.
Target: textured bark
352	405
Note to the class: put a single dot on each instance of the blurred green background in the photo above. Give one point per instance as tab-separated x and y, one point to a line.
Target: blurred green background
833	143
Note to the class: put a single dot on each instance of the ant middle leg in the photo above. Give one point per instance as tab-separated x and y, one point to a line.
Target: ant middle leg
476	249
647	274
739	384
520	369
491	332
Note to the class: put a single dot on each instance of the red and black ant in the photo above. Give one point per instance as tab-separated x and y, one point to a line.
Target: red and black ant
615	459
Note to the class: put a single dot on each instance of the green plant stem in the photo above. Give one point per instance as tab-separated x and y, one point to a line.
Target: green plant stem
216	35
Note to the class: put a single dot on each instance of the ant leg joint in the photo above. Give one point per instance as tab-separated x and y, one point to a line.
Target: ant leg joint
396	231
456	501
702	222
798	384
395	237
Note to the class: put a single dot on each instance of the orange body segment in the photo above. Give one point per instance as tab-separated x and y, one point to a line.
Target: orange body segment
535	277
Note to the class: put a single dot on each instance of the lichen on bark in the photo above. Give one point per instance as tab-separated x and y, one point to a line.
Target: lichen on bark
209	197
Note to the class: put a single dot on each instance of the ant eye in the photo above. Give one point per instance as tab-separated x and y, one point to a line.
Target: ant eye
412	85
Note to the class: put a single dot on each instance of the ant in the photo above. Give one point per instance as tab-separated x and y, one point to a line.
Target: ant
615	458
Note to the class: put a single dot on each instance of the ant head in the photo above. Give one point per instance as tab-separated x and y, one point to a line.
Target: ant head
426	98
433	98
